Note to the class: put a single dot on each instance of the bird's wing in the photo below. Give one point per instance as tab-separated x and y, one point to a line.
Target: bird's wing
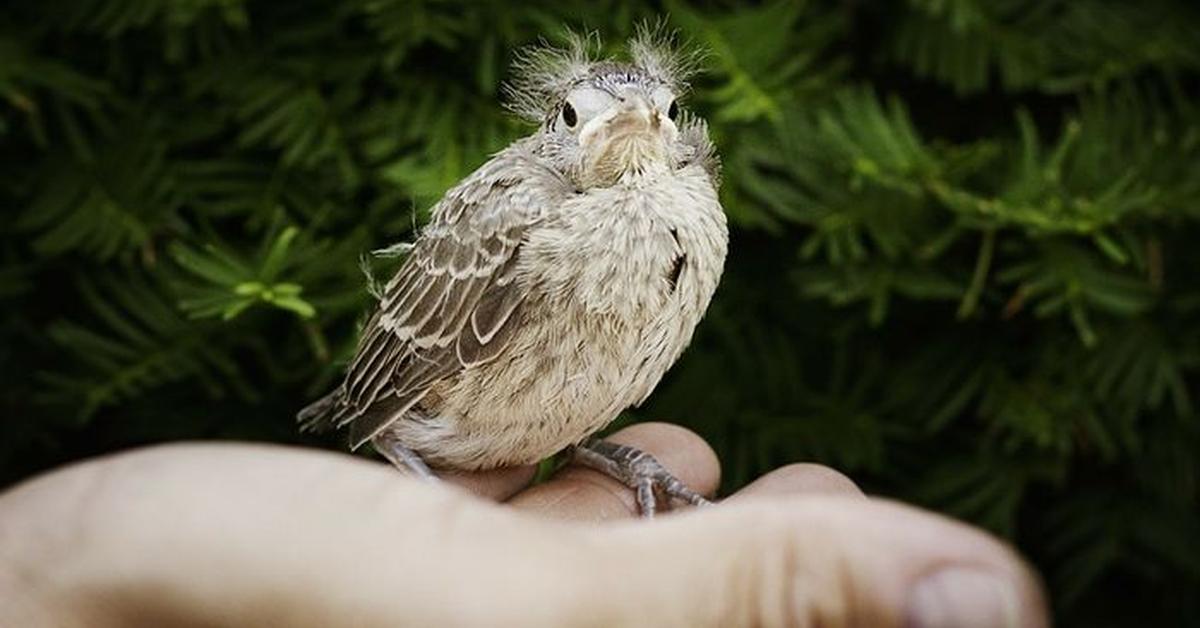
455	301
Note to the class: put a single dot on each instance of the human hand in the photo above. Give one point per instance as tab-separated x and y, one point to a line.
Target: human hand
254	535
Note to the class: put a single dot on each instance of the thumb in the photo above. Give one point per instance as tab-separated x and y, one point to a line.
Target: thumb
816	561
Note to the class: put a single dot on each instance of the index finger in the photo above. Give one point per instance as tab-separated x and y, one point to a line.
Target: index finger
580	493
495	484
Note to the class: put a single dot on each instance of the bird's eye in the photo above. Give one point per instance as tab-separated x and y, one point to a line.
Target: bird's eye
568	115
673	111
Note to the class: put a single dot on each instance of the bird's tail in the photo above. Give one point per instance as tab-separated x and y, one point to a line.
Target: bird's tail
322	414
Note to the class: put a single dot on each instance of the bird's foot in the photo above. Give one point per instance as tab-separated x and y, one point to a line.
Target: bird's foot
402	457
637	470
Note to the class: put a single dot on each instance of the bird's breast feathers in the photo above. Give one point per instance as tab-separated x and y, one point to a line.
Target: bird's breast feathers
630	249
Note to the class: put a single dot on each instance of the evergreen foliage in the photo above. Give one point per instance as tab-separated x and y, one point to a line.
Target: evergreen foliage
963	269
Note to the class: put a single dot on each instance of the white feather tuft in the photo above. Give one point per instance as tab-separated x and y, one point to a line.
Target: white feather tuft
658	52
693	131
543	74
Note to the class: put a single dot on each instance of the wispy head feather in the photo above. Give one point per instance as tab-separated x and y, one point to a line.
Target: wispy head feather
543	74
656	49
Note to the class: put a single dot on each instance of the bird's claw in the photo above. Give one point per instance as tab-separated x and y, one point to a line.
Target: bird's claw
637	470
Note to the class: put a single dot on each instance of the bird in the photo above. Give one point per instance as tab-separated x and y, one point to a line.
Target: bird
554	286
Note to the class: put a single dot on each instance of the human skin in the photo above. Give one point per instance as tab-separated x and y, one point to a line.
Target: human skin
257	535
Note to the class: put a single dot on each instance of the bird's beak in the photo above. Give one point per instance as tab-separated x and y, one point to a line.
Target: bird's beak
628	138
634	115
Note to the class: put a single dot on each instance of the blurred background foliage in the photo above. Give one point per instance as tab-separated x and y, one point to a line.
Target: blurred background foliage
964	262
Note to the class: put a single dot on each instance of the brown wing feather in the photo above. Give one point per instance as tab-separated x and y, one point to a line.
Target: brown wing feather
451	306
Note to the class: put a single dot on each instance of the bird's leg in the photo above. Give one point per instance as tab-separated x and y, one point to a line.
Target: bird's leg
637	470
402	457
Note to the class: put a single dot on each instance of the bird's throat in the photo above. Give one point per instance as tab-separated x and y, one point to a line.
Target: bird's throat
625	157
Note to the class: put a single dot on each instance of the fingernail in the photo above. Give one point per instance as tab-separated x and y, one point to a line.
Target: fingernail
959	597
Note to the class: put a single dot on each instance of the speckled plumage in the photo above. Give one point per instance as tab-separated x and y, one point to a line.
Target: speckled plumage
556	284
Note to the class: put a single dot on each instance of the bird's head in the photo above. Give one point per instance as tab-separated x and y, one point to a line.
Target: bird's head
605	121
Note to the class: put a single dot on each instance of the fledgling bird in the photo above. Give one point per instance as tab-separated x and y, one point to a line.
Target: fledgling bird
555	285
